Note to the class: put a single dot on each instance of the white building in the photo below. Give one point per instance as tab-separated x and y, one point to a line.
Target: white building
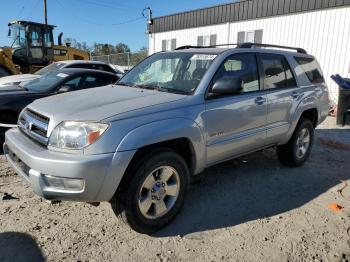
322	27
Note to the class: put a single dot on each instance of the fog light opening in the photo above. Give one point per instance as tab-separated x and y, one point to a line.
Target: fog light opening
63	183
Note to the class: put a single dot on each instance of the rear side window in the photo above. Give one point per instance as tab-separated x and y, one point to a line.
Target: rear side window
277	72
311	68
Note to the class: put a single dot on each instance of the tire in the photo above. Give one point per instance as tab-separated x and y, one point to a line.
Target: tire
296	152
3	72
142	190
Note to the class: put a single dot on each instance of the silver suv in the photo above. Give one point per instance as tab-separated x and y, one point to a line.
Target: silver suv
138	143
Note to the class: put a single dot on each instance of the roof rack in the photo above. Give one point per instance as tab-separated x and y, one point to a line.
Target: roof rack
251	45
188	47
246	45
208	46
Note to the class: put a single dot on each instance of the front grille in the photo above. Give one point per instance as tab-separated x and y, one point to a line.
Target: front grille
37	116
34	125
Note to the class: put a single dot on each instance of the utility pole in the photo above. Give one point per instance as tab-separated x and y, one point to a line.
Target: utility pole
149	15
45	12
149	19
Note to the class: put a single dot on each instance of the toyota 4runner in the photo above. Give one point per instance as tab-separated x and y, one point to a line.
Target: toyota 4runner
137	143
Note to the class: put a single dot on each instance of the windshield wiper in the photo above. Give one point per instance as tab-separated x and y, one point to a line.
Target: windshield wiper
156	87
123	84
136	85
171	90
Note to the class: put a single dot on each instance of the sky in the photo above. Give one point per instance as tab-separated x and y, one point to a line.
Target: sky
102	21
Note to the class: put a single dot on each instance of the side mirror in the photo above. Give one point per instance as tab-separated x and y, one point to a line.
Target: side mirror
9	33
227	86
64	88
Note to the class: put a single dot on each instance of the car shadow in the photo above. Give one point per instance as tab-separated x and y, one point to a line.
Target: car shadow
19	247
258	186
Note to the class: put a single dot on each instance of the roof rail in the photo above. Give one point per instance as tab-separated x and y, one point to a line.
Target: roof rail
251	45
188	47
208	46
246	45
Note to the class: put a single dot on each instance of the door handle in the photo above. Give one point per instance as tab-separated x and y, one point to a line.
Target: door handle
260	100
295	94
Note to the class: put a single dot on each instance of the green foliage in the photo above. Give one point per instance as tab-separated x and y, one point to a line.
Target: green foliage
120	53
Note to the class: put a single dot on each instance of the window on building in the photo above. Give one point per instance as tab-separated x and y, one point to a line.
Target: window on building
249	37
311	68
277	72
168	44
206	40
253	36
244	67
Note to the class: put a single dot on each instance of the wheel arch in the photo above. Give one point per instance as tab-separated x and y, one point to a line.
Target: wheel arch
180	134
309	111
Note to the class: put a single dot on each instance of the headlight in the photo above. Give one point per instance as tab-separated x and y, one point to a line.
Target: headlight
76	135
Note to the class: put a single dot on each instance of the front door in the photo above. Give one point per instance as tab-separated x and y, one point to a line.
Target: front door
236	124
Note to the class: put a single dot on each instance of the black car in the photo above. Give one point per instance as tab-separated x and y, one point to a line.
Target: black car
14	98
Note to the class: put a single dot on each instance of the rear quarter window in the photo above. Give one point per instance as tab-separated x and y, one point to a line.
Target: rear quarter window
311	68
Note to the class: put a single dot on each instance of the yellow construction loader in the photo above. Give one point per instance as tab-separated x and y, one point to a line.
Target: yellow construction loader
32	48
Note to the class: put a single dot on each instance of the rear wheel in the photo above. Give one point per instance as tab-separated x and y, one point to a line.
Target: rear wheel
156	191
298	148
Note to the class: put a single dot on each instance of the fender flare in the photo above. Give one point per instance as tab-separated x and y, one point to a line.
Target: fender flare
306	103
165	130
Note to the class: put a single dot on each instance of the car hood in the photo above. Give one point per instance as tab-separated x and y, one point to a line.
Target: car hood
97	104
12	90
9	80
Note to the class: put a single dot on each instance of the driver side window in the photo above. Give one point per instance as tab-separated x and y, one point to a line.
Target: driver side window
244	67
73	83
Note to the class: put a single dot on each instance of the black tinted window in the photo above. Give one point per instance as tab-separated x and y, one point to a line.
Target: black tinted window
311	68
244	67
277	72
95	81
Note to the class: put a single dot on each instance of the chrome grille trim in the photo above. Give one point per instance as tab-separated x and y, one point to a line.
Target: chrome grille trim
34	125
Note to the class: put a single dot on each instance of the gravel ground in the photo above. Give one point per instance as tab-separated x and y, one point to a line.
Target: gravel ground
249	209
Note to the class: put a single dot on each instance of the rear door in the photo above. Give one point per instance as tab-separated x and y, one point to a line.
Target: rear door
236	124
282	95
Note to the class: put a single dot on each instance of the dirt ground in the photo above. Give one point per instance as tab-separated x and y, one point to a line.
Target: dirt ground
250	209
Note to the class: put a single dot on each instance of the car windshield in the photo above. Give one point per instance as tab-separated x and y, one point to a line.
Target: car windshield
45	82
176	72
53	67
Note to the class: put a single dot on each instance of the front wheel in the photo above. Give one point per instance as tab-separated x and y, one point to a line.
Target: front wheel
156	191
298	148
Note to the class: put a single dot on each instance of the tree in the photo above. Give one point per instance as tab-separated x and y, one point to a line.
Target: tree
74	43
138	56
122	48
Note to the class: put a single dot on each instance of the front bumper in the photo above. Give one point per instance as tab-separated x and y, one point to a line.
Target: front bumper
101	173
